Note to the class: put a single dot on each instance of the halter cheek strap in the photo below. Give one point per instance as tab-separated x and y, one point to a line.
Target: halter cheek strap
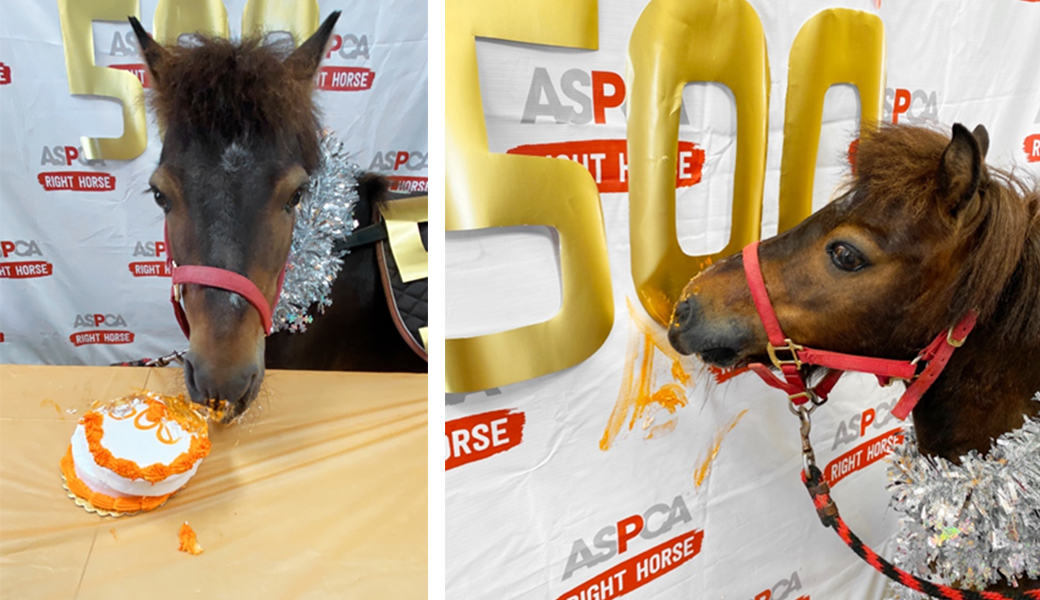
221	279
789	357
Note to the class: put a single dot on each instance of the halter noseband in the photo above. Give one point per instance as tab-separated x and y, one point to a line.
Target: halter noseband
217	278
935	355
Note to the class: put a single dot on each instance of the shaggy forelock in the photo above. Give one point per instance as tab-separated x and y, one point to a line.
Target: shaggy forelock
237	90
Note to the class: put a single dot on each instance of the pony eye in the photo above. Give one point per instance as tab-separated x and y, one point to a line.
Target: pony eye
294	201
161	199
846	257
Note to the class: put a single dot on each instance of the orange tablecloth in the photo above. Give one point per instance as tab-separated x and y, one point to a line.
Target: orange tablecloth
320	495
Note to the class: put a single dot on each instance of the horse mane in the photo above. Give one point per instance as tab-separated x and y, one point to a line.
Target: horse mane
898	166
237	90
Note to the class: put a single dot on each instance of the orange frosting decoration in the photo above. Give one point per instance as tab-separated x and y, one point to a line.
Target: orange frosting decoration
189	542
93	426
98	500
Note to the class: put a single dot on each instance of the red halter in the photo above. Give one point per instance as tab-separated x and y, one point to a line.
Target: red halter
217	278
936	355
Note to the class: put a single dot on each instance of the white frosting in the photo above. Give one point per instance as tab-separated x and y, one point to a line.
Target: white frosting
125	440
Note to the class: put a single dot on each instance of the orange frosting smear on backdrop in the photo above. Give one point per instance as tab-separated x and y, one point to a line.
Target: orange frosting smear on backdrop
98	500
189	541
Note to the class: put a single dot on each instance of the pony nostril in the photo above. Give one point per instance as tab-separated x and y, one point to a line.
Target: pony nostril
675	339
682	312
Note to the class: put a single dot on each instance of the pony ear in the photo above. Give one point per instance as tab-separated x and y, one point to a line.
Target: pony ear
303	62
154	54
982	136
960	168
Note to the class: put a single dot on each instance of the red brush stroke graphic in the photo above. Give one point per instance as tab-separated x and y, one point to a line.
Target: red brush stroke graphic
157	268
83	338
77	181
138	70
862	456
400	183
477	437
607	161
641	569
26	269
345	79
1032	143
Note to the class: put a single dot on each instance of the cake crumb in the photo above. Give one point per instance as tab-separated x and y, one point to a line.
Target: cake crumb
51	403
189	543
114	536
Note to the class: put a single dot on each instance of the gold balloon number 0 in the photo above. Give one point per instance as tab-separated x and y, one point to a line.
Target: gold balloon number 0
674	42
172	18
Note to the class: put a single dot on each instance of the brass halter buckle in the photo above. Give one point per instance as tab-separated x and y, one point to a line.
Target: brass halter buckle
178	289
953	342
791	347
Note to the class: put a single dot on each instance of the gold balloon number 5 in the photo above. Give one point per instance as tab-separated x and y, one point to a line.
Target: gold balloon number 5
172	18
674	42
498	190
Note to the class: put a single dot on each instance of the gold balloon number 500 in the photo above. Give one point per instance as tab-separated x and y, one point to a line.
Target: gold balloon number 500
172	18
674	42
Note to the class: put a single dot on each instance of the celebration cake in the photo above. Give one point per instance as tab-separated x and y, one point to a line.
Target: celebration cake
131	454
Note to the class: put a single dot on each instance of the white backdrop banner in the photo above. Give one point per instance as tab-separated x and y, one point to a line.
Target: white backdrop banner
635	473
82	278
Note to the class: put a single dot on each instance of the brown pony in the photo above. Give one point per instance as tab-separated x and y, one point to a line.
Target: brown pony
924	232
241	139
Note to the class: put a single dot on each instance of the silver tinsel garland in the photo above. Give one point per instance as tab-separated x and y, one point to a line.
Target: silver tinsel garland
326	212
971	524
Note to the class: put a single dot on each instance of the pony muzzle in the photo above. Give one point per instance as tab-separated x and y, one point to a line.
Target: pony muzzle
228	391
720	342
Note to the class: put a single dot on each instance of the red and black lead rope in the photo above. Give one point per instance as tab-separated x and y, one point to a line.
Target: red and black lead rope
828	512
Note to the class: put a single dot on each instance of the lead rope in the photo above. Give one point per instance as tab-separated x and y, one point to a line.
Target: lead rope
827	510
162	361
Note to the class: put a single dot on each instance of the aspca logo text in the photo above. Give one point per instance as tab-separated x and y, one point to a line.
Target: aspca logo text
149	249
5	74
335	78
579	97
865	453
911	106
97	321
63	156
149	268
614	539
77	181
783	589
19	248
349	46
23	269
857	425
393	160
588	96
398	160
124	43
